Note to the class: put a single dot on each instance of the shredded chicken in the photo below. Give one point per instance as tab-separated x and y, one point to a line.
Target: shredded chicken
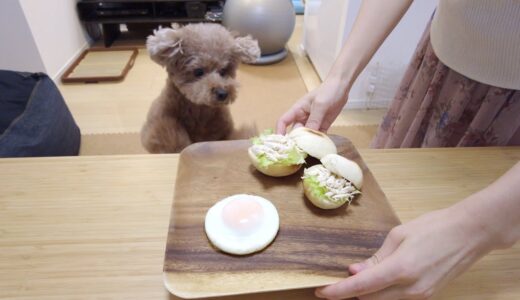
338	188
274	146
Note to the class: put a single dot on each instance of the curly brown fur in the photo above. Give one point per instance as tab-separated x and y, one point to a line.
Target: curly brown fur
201	61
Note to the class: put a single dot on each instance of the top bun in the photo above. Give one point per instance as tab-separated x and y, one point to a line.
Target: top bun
317	144
344	167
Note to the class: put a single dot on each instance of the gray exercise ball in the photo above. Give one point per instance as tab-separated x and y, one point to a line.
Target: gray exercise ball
271	22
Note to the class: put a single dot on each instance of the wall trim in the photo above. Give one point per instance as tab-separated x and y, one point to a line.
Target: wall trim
56	77
359	103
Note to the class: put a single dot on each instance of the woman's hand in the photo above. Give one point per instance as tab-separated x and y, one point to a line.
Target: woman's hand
316	110
416	259
419	257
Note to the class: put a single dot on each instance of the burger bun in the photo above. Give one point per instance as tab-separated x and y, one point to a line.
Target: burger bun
315	143
344	167
321	202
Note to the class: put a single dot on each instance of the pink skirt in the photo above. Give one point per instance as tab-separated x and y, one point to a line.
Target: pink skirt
438	107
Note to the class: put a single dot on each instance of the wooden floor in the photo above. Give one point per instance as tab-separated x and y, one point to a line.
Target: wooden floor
121	107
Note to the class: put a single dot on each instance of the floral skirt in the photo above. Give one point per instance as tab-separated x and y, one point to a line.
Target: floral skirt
438	107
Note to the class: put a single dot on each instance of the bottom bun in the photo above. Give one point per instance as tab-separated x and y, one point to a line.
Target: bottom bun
275	170
321	202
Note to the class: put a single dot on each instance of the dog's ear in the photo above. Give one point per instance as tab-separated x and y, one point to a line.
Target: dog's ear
247	49
164	44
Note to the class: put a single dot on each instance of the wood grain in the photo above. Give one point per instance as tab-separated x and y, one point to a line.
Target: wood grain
95	227
84	227
312	243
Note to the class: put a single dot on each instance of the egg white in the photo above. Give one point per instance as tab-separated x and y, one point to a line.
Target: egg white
227	240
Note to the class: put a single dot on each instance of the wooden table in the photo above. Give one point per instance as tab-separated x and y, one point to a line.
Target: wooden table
95	227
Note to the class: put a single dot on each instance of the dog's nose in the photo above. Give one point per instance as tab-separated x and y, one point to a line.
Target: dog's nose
222	94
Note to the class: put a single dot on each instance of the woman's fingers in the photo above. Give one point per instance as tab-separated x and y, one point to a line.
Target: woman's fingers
287	119
391	243
299	112
371	280
316	116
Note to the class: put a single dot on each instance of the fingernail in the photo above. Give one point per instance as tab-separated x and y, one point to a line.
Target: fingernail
317	293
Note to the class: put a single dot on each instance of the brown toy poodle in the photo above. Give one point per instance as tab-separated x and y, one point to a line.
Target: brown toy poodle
201	61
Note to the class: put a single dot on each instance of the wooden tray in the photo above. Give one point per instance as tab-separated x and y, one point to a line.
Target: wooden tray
313	246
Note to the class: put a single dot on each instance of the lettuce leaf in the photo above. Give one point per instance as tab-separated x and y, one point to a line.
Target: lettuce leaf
314	185
256	140
294	156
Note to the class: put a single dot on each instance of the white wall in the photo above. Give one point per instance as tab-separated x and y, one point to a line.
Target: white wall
18	50
327	25
57	32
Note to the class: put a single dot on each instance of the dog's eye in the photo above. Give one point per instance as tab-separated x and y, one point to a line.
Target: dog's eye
199	72
223	72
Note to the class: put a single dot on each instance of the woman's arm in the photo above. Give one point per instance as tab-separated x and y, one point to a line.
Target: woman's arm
375	20
319	108
496	209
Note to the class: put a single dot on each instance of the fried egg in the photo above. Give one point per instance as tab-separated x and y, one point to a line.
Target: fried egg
242	224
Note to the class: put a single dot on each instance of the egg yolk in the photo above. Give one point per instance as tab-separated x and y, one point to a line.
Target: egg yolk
243	215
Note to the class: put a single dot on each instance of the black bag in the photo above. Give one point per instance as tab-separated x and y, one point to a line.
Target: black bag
34	119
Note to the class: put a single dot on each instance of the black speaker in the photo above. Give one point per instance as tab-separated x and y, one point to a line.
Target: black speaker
195	9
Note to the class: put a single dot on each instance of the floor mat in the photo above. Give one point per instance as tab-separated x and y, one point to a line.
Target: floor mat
97	65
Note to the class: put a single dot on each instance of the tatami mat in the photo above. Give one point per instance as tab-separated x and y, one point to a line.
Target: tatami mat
102	64
130	143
